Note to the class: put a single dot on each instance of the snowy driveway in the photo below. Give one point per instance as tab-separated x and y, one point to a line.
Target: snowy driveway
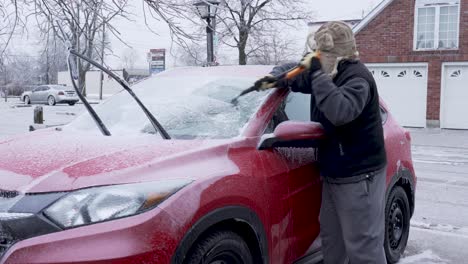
439	228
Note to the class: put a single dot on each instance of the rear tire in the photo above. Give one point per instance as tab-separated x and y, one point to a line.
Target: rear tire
221	247
51	100
71	103
27	101
397	224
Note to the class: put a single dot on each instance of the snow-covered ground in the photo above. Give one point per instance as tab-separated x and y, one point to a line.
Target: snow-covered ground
439	228
16	118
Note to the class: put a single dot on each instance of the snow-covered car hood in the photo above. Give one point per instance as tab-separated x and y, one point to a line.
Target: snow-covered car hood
50	160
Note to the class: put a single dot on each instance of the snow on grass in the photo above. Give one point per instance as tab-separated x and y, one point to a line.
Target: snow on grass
425	257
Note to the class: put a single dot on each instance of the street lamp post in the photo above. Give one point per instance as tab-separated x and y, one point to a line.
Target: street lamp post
207	10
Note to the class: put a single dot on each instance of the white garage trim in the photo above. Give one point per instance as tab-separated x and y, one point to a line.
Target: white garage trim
409	64
403	86
443	90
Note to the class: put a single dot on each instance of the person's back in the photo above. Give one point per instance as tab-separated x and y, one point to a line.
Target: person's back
356	147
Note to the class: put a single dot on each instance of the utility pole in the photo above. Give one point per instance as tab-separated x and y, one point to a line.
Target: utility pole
103	43
4	70
47	69
209	32
207	10
47	81
77	39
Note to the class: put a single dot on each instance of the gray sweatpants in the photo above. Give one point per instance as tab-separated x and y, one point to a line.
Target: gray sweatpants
352	220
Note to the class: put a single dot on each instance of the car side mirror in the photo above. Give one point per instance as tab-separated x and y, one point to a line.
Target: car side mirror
294	134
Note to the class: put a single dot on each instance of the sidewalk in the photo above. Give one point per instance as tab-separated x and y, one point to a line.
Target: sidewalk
437	137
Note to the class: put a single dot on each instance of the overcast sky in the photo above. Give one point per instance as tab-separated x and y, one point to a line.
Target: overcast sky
139	37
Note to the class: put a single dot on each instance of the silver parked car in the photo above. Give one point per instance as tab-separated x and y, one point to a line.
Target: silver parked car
50	94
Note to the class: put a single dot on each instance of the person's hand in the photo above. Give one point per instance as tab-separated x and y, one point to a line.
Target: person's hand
283	83
311	61
266	83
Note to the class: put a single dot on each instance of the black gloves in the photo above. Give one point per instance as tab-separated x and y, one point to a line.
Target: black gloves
315	66
311	61
270	81
265	83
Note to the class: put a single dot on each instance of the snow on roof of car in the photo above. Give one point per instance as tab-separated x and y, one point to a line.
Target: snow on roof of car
232	71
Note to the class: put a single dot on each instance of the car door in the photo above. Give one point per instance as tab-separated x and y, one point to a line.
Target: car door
303	180
305	185
35	94
44	93
275	169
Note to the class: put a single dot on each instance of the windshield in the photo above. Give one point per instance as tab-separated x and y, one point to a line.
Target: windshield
187	107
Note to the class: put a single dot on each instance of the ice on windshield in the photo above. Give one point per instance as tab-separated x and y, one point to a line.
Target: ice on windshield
188	107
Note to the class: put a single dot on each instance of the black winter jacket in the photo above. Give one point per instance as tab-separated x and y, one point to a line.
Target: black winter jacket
348	108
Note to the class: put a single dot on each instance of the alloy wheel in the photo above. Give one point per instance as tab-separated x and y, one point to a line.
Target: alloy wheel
51	100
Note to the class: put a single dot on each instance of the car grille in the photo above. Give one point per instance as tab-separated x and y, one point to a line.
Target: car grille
6	240
8	194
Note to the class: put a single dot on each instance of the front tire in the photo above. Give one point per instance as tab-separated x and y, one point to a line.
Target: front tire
71	103
397	224
222	247
51	100
27	101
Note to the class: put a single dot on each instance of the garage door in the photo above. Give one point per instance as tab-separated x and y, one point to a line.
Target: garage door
454	96
404	89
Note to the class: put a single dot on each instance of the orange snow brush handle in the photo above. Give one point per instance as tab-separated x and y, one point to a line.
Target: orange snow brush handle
295	72
299	69
291	74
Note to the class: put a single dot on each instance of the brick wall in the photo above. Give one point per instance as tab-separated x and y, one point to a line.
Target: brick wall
388	38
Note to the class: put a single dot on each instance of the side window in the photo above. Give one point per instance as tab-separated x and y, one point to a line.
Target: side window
383	115
298	107
45	88
295	107
278	117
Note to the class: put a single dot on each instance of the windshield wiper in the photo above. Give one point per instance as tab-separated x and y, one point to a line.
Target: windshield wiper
156	125
88	107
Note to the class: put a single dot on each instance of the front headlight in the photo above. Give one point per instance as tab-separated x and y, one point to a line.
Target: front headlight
99	204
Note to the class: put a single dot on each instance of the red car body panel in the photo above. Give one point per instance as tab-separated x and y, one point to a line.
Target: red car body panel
282	188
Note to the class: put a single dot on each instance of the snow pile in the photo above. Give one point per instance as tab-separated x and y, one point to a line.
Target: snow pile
426	257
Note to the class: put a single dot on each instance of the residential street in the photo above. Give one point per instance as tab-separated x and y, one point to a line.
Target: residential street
439	231
440	222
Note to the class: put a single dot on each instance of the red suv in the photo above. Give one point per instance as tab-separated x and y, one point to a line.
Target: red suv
234	184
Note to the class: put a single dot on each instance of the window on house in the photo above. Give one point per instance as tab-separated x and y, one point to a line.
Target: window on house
437	24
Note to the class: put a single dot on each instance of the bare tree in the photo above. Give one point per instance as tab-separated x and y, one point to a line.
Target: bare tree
129	58
52	58
193	55
10	21
237	20
80	22
19	72
270	49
